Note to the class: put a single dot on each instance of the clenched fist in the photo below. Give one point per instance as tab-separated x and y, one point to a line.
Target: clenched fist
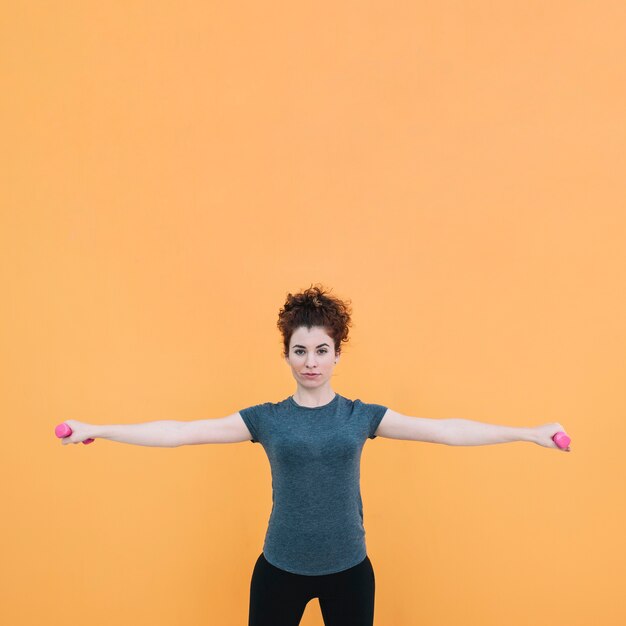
81	431
544	434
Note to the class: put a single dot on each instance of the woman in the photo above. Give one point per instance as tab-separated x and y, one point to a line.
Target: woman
315	541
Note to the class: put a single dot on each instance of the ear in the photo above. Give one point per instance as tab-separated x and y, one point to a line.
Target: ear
337	357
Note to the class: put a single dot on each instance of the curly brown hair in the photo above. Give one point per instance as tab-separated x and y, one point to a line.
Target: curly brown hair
315	307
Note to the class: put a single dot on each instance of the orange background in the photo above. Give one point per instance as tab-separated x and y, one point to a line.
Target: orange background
171	170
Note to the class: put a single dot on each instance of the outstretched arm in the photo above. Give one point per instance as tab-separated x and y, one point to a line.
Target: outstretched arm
161	433
462	432
164	433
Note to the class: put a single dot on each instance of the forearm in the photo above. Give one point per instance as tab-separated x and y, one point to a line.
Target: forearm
462	432
162	433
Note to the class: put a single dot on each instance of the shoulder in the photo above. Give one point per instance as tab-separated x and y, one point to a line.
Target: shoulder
260	408
362	405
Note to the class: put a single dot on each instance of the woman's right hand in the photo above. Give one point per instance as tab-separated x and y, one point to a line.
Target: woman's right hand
80	432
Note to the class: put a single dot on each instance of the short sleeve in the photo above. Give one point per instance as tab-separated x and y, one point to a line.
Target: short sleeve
373	414
253	418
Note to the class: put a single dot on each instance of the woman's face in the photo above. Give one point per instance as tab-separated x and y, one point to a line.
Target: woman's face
311	351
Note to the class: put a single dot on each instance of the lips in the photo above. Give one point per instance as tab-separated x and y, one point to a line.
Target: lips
310	375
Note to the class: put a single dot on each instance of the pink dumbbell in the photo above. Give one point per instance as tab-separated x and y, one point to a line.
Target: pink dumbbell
63	430
561	440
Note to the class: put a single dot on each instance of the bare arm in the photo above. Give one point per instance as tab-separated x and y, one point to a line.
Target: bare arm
463	432
231	429
162	433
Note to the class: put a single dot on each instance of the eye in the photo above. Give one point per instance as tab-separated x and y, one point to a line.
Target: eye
299	350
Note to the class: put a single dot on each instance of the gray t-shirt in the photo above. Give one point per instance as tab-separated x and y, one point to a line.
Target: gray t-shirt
316	523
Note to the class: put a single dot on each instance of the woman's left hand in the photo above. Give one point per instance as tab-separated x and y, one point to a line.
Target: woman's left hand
545	432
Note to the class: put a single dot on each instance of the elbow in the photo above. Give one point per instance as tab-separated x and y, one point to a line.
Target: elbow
445	434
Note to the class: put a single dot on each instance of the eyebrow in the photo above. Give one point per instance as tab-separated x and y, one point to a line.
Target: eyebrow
297	345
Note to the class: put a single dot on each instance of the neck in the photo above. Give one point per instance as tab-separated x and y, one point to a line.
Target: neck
313	397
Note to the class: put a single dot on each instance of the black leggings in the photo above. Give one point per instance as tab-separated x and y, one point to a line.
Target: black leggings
278	597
